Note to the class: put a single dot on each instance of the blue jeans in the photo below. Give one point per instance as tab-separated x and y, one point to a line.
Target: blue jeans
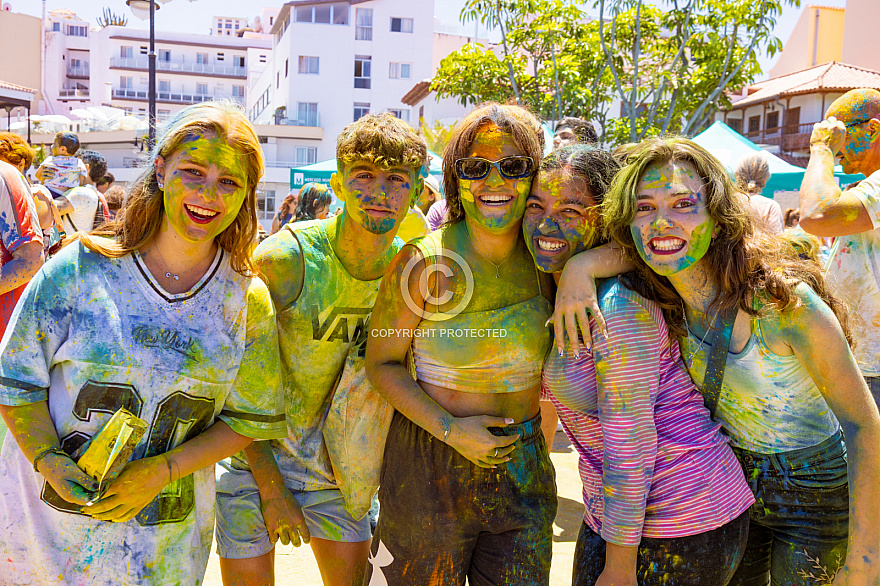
800	522
874	387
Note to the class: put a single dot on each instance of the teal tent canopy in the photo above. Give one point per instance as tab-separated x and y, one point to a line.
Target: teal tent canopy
321	172
730	147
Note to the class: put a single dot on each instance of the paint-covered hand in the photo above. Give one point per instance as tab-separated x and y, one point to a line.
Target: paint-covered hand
575	295
136	487
68	480
830	133
610	578
284	519
470	437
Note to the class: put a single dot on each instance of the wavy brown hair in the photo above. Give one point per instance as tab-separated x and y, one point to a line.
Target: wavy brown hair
143	212
519	123
751	270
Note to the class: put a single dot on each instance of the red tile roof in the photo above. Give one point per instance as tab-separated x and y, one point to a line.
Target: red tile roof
832	76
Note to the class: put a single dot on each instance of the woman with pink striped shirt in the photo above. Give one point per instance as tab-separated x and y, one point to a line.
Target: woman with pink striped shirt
666	500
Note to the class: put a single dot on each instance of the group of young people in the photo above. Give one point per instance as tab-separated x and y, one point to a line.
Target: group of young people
234	355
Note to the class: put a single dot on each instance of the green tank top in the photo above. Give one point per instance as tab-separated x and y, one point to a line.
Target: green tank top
316	328
497	350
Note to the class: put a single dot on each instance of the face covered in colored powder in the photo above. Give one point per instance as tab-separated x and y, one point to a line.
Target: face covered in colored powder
560	219
376	198
564	136
204	183
495	202
672	229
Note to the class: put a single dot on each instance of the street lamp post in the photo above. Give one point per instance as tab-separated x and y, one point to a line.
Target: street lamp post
142	9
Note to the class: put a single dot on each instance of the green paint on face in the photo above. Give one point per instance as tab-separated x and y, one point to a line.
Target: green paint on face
479	197
560	220
205	185
376	198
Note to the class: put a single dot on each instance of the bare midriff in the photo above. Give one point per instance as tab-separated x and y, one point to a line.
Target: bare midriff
519	406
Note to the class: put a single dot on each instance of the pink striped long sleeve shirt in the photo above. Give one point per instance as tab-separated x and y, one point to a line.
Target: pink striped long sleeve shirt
652	462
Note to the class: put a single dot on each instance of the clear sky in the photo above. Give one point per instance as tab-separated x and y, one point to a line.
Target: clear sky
195	16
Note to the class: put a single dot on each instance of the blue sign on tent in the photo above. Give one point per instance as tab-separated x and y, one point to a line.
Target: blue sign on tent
321	172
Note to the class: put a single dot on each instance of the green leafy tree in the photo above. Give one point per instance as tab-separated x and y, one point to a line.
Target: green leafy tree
437	135
668	65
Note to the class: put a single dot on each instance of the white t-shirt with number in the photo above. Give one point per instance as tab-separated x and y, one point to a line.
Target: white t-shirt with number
855	271
93	334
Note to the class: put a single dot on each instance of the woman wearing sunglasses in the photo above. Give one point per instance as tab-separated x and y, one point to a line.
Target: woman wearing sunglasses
467	487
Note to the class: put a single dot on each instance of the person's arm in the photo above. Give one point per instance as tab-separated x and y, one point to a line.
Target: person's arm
385	364
816	338
825	209
26	261
577	293
627	376
282	514
34	432
142	480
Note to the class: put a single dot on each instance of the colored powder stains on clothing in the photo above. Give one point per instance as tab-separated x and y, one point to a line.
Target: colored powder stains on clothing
500	330
317	327
93	335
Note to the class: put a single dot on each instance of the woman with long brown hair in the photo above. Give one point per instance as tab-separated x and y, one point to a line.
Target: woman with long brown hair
157	314
467	486
792	400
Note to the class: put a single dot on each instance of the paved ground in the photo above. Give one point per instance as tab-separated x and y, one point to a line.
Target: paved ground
296	566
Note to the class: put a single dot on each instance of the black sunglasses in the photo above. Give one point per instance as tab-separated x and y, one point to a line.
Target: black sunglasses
856	123
474	168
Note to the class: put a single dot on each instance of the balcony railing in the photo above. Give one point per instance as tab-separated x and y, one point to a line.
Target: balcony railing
73	93
313	120
179	67
169	97
789	138
78	71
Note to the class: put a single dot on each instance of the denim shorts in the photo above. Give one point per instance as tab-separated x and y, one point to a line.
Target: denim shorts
444	519
800	520
241	532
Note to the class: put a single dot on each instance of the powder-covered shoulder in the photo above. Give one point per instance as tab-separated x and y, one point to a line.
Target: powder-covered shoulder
279	259
615	297
259	300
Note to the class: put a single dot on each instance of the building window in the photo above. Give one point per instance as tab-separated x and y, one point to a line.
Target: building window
202	89
362	71
736	124
286	66
307	114
143	81
306	156
144	50
364	27
126	83
56	27
128	110
401	113
360	110
164	55
77	31
126	52
239	61
202	58
309	65
754	124
772	120
266	204
401	25
277	79
164	86
238	91
399	70
334	13
262	58
163	115
220	57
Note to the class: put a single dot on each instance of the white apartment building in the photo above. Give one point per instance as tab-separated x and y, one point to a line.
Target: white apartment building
333	61
109	66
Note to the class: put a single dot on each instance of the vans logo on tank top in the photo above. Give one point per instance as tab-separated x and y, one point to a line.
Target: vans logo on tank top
342	324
